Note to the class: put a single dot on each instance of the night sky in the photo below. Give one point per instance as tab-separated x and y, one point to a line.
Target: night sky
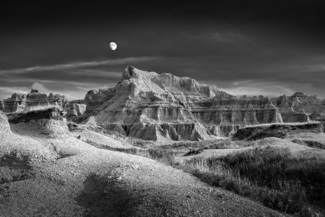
252	47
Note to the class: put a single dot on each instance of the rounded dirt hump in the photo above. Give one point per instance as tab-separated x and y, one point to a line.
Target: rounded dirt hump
48	122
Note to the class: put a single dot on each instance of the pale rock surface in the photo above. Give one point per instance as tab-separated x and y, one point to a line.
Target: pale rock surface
299	107
4	124
156	106
31	101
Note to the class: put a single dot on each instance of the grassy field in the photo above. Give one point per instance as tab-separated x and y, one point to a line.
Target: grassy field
271	176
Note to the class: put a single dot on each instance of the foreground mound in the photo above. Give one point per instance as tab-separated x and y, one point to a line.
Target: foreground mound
50	121
155	106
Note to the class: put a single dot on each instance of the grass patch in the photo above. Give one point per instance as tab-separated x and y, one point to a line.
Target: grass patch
272	176
162	155
310	143
204	144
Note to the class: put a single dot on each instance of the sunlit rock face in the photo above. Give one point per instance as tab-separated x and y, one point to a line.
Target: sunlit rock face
299	107
31	101
156	106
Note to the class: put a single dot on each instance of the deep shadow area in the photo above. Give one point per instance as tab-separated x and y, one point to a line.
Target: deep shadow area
50	113
15	167
108	195
310	143
104	197
93	197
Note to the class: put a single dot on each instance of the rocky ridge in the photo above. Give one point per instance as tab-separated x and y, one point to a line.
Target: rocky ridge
156	106
33	101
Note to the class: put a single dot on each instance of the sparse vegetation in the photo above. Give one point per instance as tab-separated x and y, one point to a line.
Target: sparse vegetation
204	144
272	176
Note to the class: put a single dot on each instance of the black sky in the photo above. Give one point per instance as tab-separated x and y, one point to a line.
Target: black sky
252	47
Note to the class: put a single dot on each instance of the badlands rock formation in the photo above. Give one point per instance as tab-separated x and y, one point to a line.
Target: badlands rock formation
299	107
34	100
156	106
31	101
74	109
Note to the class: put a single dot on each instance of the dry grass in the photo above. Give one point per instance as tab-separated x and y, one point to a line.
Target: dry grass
272	176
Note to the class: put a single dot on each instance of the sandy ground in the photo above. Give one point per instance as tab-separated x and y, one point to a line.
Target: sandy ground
57	174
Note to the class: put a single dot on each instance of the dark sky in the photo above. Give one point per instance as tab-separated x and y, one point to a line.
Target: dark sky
253	47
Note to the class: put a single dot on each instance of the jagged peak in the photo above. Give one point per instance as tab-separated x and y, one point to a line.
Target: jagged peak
132	72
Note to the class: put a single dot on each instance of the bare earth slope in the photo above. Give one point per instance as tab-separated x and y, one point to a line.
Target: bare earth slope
56	174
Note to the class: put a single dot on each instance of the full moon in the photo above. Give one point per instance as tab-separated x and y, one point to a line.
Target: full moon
113	45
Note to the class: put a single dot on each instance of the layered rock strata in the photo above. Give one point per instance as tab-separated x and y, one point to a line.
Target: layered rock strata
155	106
299	107
31	101
19	103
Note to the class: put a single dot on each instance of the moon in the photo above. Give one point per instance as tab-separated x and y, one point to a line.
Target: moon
113	45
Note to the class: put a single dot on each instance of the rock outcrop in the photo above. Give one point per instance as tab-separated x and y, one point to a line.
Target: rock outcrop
31	101
299	107
49	121
75	109
155	106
